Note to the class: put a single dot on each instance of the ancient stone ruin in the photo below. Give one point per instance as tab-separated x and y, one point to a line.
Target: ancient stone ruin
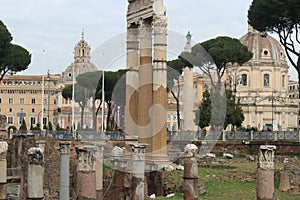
146	79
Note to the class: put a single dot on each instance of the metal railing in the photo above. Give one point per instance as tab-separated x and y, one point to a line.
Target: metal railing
174	135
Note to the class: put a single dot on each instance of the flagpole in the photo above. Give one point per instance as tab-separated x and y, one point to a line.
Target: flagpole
43	82
73	100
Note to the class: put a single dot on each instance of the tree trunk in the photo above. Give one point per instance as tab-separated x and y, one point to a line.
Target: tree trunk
298	70
177	104
82	115
108	115
94	115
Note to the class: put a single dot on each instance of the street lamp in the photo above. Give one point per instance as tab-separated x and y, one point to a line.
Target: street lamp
73	100
272	98
234	79
48	79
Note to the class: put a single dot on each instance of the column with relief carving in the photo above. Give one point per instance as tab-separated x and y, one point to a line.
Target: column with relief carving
265	173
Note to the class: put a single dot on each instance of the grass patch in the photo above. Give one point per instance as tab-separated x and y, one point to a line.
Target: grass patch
237	183
106	168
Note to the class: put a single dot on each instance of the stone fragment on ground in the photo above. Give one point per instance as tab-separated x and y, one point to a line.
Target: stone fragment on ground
210	155
290	177
228	155
284	182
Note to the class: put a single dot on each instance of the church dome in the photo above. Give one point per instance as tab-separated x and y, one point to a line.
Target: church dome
82	43
263	46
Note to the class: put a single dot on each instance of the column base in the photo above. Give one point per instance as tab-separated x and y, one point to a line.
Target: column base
155	162
2	191
99	194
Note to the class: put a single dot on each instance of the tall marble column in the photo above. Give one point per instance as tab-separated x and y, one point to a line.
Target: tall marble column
64	177
159	125
86	173
145	83
132	80
138	171
150	18
3	171
35	180
188	99
190	185
265	173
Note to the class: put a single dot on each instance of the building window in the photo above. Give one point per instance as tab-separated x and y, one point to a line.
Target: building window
283	80
21	100
54	101
244	80
32	121
21	119
10	100
0	100
10	120
168	116
10	110
32	110
32	101
44	120
45	101
266	80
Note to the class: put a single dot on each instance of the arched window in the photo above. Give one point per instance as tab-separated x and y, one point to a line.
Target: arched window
283	81
244	80
83	52
266	80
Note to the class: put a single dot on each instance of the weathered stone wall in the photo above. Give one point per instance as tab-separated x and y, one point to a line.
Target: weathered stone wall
117	185
290	177
17	157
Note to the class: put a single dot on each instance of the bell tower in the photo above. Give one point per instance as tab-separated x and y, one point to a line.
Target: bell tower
82	51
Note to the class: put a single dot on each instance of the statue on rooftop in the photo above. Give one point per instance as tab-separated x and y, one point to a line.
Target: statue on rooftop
189	37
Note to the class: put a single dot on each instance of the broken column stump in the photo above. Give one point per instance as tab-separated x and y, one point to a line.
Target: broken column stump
64	180
99	171
190	185
138	171
35	180
85	173
265	173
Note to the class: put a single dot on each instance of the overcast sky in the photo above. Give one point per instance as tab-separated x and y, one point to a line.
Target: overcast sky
56	25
